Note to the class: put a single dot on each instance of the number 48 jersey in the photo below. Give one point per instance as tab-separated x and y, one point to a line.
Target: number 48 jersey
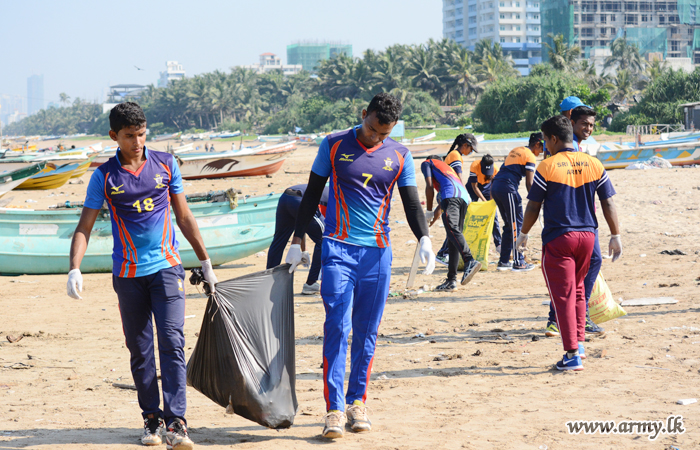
139	207
361	186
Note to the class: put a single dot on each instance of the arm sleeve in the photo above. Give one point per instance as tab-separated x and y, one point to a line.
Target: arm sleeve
604	187
176	182
538	191
457	166
322	163
309	203
425	170
414	211
95	197
531	162
408	173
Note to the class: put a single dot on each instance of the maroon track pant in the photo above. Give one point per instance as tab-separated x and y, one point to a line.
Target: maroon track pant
565	262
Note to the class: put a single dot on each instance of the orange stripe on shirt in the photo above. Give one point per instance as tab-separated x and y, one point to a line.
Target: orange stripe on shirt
382	239
341	223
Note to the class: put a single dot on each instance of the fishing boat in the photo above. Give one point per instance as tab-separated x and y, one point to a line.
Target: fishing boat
240	163
614	156
38	242
165	137
424	148
50	177
12	175
271	138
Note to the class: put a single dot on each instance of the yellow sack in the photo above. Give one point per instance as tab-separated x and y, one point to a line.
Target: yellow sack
601	306
478	228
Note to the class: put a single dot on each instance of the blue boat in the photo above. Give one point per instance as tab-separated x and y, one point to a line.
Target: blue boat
38	242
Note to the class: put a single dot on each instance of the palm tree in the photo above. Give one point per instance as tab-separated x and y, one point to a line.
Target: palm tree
625	56
465	70
561	55
624	86
64	99
492	69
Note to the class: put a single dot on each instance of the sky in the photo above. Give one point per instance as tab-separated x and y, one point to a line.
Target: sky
83	46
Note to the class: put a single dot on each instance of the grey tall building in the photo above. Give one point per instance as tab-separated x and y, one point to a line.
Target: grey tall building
35	94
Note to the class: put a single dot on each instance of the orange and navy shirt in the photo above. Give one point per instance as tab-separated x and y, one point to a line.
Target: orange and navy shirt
445	180
519	161
454	160
567	183
139	207
475	175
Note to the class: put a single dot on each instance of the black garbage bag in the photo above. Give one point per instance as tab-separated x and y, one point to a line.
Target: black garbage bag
244	358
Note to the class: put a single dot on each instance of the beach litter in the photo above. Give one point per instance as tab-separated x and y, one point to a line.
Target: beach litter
687	401
124	386
652	163
13	339
673	252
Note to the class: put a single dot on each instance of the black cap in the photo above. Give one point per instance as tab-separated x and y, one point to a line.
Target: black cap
471	140
486	170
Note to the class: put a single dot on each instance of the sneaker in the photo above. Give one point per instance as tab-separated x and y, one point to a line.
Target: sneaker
311	289
442	259
357	417
152	430
570	363
552	330
523	268
581	351
334	424
592	328
470	271
176	437
502	267
447	285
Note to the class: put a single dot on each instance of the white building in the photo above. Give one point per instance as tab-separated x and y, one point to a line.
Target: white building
515	24
270	61
174	71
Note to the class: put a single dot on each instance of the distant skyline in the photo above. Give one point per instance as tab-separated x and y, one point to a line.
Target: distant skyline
81	47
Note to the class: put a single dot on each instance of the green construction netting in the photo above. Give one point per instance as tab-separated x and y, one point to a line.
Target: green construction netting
696	39
689	12
557	17
648	39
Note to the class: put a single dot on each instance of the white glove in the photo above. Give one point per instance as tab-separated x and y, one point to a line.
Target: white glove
75	284
427	256
209	276
615	247
521	242
429	215
295	257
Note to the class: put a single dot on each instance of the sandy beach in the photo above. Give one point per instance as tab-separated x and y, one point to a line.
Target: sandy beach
470	369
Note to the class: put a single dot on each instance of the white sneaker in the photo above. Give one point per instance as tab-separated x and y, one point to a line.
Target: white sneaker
357	417
311	289
333	428
153	428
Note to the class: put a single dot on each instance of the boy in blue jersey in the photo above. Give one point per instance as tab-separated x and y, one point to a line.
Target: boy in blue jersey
139	186
454	202
363	165
567	184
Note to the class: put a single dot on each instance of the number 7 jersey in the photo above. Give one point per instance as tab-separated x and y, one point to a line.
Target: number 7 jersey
361	185
139	207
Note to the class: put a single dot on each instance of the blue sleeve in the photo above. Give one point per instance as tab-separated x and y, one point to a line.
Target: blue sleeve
425	169
322	163
473	178
408	173
538	191
176	186
457	166
95	197
604	187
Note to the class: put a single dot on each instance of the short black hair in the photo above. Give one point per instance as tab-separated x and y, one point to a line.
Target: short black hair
386	107
535	138
559	126
125	115
438	157
582	111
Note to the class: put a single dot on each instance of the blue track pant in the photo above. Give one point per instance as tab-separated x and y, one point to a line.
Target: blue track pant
589	281
162	296
354	290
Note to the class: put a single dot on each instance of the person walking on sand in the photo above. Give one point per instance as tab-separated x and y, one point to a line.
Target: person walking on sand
139	186
455	200
364	165
567	183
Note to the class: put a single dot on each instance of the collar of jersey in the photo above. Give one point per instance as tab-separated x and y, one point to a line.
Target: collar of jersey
368	150
568	149
138	172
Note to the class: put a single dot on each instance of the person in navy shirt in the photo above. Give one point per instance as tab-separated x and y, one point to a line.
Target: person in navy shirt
363	165
139	186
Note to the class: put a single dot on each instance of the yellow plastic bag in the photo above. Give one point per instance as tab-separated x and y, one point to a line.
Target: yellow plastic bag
478	228
601	306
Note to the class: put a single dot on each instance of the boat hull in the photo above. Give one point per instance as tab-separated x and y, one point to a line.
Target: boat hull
231	165
38	242
677	156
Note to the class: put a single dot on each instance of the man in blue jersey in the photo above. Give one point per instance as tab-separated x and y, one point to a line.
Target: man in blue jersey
454	202
363	165
139	186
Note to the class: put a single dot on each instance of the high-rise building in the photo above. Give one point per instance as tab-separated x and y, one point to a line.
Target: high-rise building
11	104
173	71
35	94
669	28
310	53
270	62
514	24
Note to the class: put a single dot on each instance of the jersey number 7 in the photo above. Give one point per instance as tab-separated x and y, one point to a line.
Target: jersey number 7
367	178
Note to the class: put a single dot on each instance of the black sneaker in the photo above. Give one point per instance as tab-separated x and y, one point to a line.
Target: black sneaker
177	438
152	430
507	266
523	268
592	328
471	270
442	259
448	285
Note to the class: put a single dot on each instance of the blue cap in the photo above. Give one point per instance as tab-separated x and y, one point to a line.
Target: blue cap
570	103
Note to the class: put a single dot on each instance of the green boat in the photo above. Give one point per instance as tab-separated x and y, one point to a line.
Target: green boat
12	175
38	242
